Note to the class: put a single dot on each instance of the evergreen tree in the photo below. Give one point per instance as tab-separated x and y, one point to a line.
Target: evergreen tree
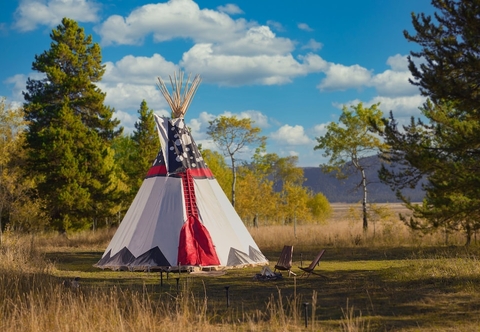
445	151
146	144
70	129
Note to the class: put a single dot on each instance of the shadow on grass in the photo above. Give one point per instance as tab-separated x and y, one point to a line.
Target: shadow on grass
387	302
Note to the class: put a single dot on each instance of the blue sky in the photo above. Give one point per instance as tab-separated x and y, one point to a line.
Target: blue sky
288	65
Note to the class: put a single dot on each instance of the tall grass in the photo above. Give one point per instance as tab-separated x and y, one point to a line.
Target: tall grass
344	234
33	299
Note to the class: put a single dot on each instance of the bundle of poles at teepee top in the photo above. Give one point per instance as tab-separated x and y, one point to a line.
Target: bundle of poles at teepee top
178	101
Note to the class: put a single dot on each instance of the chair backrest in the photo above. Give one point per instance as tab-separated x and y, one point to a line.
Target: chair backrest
285	259
317	259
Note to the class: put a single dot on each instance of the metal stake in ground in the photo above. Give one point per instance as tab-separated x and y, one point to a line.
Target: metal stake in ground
305	308
228	297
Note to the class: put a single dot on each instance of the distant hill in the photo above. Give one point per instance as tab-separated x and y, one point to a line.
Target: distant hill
348	191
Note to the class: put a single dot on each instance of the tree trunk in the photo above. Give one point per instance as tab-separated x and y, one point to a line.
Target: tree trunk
468	231
234	180
364	202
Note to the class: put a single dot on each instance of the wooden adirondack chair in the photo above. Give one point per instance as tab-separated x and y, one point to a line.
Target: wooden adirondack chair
285	261
310	269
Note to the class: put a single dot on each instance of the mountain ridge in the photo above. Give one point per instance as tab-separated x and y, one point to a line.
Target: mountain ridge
350	190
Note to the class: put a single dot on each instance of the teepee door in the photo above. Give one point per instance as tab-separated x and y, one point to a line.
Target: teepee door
195	244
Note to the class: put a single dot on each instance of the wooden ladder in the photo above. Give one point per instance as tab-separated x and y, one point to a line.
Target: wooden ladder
189	195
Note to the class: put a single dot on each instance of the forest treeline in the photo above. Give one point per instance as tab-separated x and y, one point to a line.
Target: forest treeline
65	163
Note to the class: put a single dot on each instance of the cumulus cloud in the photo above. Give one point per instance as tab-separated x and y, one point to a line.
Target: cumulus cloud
257	40
402	107
138	69
132	79
291	135
225	51
405	106
129	96
32	13
392	82
235	70
340	77
320	129
277	26
398	62
304	26
312	45
19	83
230	8
166	21
260	119
199	126
127	120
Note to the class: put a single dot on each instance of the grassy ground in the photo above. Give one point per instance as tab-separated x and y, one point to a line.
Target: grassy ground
393	281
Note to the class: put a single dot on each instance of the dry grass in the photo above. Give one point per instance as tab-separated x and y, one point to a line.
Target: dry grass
344	229
369	285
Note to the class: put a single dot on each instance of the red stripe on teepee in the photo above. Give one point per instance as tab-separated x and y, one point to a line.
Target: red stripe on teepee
201	172
157	170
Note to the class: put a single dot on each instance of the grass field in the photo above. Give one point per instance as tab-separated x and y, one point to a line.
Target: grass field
390	280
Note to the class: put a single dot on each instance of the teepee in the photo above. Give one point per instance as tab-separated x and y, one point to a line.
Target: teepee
180	217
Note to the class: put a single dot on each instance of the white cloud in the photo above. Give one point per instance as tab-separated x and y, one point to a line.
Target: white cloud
291	135
230	8
225	51
199	126
276	25
237	70
304	26
398	62
340	77
312	45
257	40
260	119
394	83
166	21
138	70
320	129
405	106
132	79
129	96
31	13
127	120
19	83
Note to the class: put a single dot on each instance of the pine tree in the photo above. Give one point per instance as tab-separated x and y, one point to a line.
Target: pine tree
70	129
146	143
445	151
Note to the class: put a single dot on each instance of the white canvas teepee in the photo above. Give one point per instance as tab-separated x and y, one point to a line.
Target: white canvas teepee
180	215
